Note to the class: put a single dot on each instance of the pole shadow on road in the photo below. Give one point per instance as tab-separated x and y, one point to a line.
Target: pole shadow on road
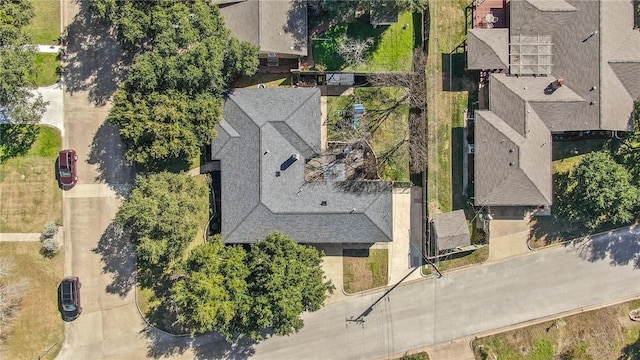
118	257
107	151
94	61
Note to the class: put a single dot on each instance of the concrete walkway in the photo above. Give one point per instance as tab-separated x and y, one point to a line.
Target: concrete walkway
19	237
48	48
508	238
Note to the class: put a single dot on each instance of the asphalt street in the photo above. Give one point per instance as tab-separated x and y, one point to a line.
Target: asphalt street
467	302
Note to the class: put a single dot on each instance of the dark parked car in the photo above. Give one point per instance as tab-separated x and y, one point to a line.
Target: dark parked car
67	168
70	298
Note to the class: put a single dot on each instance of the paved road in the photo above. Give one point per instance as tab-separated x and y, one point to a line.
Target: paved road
110	325
468	302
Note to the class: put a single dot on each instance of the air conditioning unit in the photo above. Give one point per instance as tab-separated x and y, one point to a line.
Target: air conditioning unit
471	149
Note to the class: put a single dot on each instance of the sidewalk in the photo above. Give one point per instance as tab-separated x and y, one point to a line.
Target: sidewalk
20	236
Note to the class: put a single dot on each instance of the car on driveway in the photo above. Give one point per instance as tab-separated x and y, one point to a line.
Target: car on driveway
69	292
67	168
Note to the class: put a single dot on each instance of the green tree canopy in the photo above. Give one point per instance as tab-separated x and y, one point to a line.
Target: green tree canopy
163	215
239	293
17	74
286	279
159	127
627	152
169	104
601	191
214	291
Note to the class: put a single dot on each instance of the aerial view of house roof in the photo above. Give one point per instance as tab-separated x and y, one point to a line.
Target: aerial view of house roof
572	66
264	140
274	26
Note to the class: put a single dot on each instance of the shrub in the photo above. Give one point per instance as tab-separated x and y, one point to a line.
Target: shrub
50	247
49	230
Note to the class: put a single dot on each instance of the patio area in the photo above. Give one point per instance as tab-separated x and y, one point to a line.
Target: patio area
489	14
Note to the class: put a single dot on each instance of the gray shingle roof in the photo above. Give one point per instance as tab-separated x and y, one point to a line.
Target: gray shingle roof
451	230
597	53
488	49
271	126
278	26
510	168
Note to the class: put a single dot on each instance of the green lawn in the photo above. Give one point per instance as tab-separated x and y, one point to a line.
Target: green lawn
45	26
48	69
606	333
445	112
385	126
38	325
365	269
392	49
28	186
475	257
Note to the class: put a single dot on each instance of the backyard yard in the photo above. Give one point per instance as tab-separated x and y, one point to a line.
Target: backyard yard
384	126
38	326
392	47
606	333
29	190
448	92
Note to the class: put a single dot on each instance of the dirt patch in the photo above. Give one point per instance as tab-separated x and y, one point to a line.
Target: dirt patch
365	269
602	334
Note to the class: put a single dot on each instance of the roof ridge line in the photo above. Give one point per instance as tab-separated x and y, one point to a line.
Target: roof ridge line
295	111
493	50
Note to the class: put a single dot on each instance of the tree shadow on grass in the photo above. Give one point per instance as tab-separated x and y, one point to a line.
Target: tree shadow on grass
118	257
107	151
94	61
631	351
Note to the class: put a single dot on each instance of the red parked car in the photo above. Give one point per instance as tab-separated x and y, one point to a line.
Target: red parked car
67	168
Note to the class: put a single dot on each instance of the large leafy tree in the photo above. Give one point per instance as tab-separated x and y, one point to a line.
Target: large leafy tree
601	191
627	151
167	108
240	293
286	279
161	126
163	215
17	72
213	294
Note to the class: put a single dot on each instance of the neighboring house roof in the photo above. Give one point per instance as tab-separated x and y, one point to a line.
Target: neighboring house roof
451	230
488	49
593	47
511	166
274	26
264	188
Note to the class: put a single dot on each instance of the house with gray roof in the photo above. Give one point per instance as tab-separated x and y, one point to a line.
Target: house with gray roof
278	28
562	65
263	142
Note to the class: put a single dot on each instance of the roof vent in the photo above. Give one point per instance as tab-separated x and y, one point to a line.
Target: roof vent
323	203
510	150
262	86
511	164
277	173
